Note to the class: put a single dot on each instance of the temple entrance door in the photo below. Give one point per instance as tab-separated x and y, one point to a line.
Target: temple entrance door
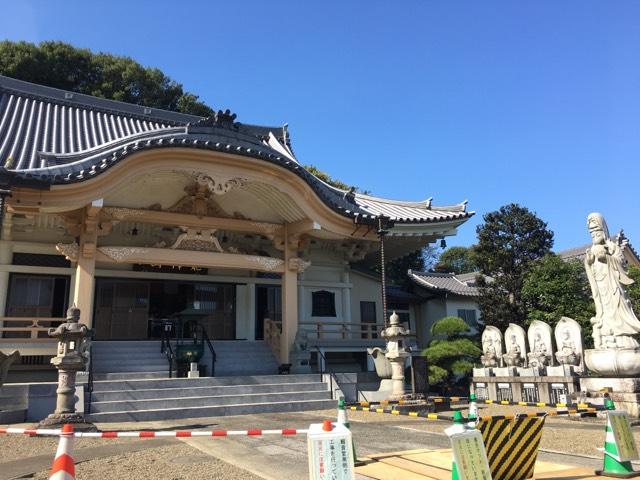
122	310
268	305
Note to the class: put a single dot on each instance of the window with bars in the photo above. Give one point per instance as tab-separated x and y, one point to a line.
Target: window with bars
469	316
323	304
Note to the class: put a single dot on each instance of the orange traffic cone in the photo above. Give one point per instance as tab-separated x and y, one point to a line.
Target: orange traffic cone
63	467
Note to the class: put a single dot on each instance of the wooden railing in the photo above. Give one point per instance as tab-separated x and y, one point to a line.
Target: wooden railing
33	328
342	331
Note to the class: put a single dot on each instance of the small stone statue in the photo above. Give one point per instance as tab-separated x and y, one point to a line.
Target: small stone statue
300	354
539	357
567	354
5	363
515	356
569	341
540	344
491	347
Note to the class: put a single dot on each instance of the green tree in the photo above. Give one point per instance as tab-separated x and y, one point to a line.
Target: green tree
64	66
457	260
634	290
451	353
396	269
554	288
508	242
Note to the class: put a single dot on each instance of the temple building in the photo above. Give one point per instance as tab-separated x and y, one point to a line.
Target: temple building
138	215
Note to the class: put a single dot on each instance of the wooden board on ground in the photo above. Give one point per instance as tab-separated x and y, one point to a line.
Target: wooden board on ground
436	465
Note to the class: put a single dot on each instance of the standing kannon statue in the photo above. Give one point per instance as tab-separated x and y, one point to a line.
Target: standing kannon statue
615	324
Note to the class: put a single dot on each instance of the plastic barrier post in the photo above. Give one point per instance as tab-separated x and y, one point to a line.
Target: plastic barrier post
343	419
63	467
613	466
473	410
457	420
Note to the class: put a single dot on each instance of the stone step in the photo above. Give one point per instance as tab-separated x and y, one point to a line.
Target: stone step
136	367
114	376
212	401
211	411
207	391
137	384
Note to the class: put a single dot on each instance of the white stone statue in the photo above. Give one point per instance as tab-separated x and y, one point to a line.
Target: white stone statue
569	342
515	346
540	345
491	347
615	326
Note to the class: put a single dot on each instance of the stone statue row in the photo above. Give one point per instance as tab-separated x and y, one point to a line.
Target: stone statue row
535	348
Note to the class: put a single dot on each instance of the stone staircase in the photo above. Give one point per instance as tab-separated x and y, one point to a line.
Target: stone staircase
114	360
164	399
131	384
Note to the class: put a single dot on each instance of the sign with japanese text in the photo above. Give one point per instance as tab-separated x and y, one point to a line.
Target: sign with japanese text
619	423
470	455
330	454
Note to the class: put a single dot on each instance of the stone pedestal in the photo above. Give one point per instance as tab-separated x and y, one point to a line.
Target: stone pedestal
482	372
505	372
625	392
561	371
529	371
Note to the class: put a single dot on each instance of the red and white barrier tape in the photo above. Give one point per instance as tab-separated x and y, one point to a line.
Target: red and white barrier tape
150	434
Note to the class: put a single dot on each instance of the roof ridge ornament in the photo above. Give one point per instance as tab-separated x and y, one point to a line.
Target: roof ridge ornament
219	119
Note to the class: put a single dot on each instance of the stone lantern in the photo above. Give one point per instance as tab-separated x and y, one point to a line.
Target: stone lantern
397	354
72	357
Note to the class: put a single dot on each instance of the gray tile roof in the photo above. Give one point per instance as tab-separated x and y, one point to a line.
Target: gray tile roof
578	253
49	136
446	283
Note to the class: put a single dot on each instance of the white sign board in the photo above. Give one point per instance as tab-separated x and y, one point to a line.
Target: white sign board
470	455
619	424
330	453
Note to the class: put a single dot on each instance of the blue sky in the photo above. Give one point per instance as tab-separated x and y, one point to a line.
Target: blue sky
495	102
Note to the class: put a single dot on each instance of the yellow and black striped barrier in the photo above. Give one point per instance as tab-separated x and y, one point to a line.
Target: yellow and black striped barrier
447	418
511	444
428	416
541	404
450	399
404	402
381	402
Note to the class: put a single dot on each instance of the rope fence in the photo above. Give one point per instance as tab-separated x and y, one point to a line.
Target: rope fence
155	434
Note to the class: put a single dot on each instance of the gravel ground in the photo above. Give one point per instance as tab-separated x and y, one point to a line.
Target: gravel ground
182	461
569	435
176	462
22	446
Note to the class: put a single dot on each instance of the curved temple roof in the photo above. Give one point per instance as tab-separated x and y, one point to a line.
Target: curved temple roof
53	137
463	285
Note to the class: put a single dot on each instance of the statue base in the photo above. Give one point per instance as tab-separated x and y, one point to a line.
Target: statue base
561	371
613	362
530	371
625	392
505	372
58	420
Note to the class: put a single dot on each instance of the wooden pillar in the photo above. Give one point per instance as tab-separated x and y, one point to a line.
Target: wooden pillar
84	278
289	299
6	257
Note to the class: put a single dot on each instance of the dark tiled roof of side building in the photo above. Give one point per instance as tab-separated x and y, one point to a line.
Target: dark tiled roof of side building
50	136
463	285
